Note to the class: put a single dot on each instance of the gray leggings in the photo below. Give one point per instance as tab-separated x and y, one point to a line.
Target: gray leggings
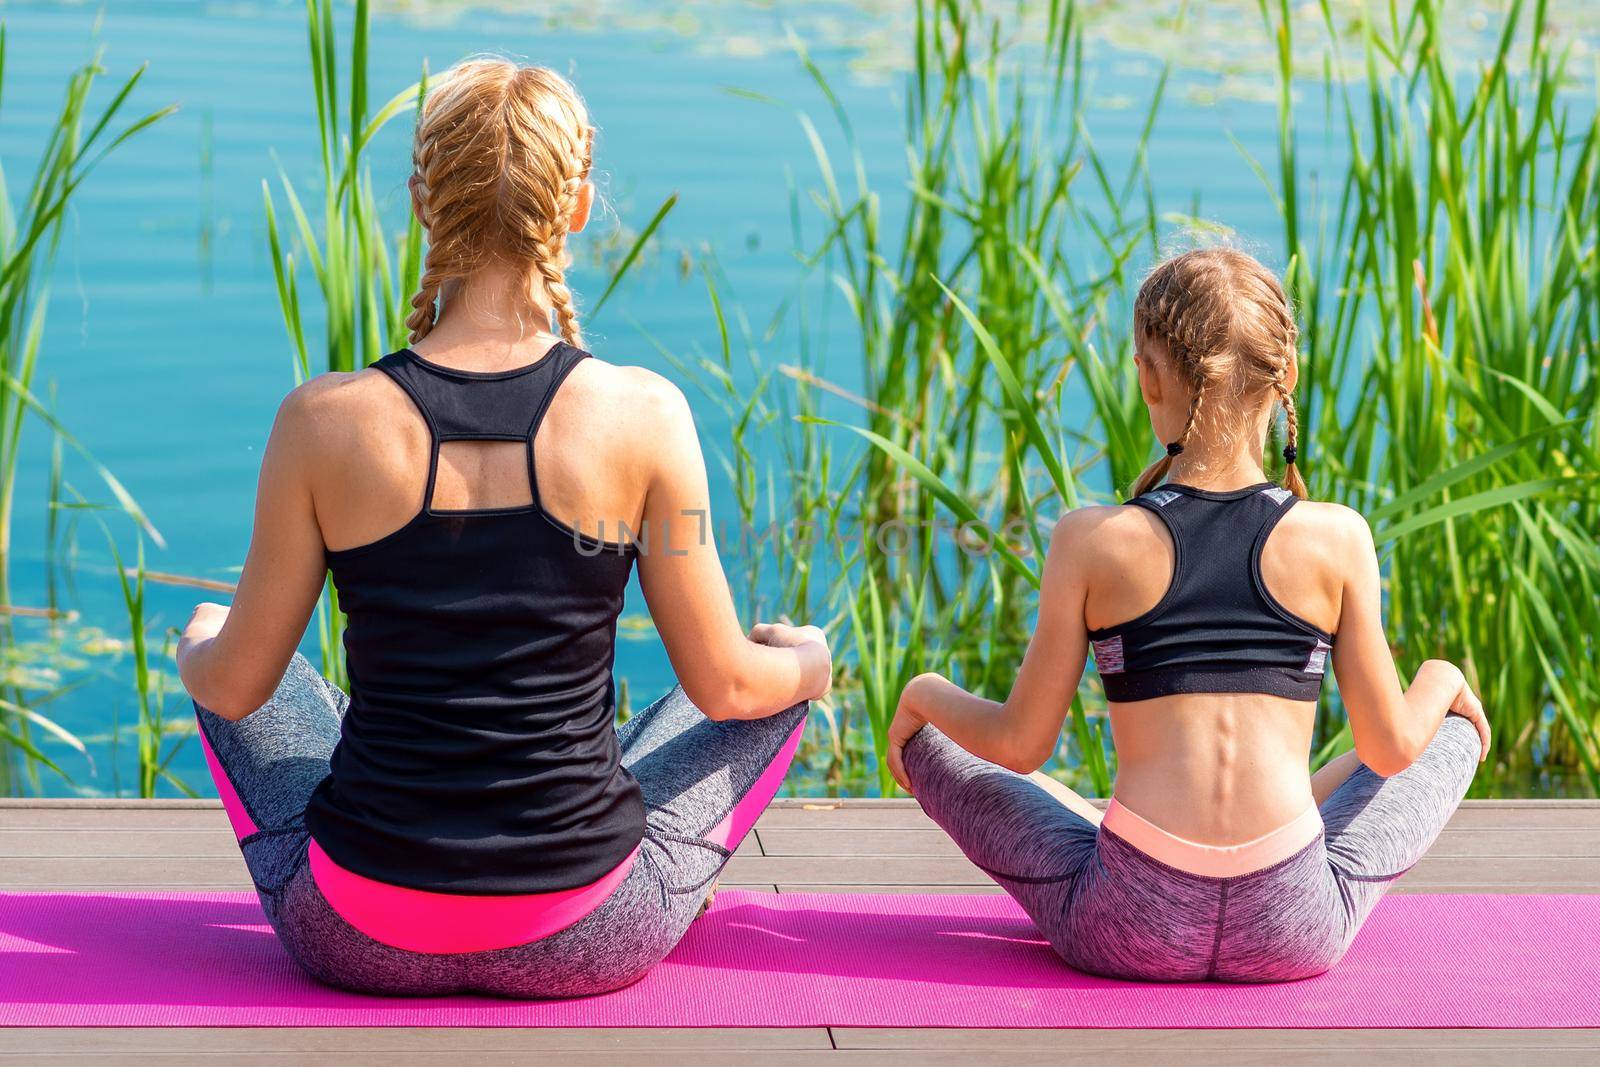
693	773
1109	909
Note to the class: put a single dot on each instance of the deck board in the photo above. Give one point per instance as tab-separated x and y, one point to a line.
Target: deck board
867	845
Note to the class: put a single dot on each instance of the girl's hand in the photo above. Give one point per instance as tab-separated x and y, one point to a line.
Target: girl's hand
903	728
1468	706
204	624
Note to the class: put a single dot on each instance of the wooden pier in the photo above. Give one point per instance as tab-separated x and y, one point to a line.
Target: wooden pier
1523	846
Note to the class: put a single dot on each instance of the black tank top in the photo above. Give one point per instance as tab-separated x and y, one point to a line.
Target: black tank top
1217	629
479	753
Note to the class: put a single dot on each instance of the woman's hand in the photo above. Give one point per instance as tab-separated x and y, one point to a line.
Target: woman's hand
205	622
782	635
811	643
1469	707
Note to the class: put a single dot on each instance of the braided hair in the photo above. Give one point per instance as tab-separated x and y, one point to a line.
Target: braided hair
1223	322
501	156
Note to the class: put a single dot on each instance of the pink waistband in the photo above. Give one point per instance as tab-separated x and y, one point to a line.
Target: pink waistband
424	921
1213	861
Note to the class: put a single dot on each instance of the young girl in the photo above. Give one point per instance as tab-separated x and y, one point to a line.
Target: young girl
468	818
1213	604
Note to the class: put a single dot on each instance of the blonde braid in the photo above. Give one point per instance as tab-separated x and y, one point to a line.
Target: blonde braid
424	303
549	258
1292	480
502	154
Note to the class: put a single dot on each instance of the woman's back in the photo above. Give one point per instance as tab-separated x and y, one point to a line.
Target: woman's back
471	817
478	754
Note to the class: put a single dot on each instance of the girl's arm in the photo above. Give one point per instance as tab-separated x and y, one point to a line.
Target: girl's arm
231	661
726	674
1391	726
1021	733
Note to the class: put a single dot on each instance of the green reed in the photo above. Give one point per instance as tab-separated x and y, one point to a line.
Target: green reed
152	731
1446	285
1448	293
30	229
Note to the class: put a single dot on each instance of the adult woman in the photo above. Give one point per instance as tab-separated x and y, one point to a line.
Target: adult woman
1212	606
469	818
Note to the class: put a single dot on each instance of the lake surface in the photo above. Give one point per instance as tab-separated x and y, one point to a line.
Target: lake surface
165	345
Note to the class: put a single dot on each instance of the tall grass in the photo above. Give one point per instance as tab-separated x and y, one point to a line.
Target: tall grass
30	230
1448	288
1449	296
157	740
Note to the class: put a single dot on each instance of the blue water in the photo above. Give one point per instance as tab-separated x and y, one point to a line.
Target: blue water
165	344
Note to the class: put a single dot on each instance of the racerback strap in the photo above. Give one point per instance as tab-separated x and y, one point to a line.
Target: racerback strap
1217	537
459	405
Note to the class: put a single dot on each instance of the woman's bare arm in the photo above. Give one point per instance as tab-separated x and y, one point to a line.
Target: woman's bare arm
1021	733
727	674
231	660
1391	726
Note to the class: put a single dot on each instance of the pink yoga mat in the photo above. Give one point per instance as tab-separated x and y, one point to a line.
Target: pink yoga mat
760	959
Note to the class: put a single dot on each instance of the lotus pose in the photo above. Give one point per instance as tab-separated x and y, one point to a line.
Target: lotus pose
469	817
1214	603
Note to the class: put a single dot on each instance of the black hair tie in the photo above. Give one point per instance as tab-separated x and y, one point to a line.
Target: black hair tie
1175	448
1289	453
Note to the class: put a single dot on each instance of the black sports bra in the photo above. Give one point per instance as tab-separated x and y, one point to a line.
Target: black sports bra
1217	629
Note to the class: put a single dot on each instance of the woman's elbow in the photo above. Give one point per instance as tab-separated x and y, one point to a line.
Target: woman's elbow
721	699
232	703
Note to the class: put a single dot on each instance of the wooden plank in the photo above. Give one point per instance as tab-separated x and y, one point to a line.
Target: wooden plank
785	813
149	844
1508	873
1566	873
117	803
130	818
840	1058
836	841
586	1058
118	844
1088	1041
713	1047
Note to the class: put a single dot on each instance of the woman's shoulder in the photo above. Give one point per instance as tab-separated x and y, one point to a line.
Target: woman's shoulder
348	428
629	399
333	407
